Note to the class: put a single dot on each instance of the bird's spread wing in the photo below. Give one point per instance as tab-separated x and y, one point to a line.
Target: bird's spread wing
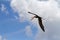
31	13
40	24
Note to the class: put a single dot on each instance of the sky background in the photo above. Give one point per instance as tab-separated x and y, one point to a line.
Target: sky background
16	23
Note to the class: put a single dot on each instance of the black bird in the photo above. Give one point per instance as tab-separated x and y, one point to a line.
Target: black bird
39	20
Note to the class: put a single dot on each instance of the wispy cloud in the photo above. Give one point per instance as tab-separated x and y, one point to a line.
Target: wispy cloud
5	38
4	9
28	31
2	38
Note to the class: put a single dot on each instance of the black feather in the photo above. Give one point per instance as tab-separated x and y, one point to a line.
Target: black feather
40	24
31	13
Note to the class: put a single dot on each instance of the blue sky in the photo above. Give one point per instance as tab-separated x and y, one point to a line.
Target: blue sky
15	23
9	25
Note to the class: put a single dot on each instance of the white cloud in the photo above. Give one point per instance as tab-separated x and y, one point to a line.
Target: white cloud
0	37
28	31
4	39
46	9
4	9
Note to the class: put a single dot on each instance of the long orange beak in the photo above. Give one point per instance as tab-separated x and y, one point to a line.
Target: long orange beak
33	17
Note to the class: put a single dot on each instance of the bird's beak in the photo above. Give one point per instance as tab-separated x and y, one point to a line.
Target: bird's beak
33	17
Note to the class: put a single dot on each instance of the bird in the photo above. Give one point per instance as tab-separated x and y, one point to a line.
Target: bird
39	21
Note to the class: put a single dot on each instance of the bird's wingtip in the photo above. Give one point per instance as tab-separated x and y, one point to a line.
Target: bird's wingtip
43	30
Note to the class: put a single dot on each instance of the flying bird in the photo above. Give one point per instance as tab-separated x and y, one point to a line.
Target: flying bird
39	21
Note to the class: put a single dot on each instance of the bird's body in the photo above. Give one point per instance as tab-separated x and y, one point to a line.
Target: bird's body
39	21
